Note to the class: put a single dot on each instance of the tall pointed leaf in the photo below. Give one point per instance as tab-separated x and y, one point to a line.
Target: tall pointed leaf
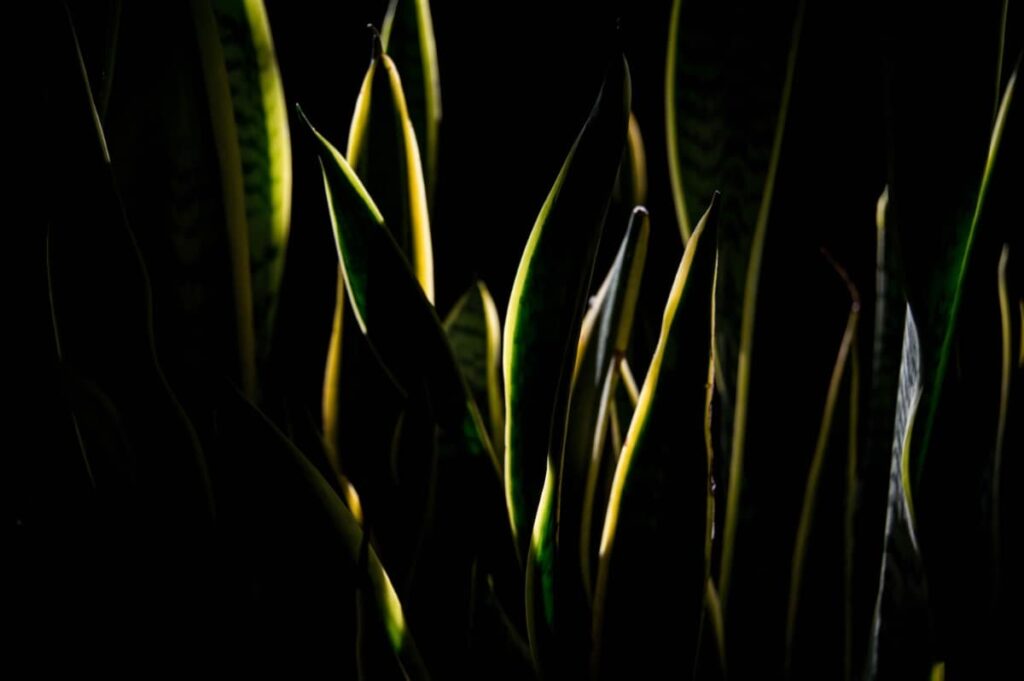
844	374
900	641
383	150
548	296
264	142
474	332
746	337
654	548
558	612
408	35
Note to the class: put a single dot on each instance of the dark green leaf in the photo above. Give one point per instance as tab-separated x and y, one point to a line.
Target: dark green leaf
474	332
408	36
548	297
656	542
558	612
264	157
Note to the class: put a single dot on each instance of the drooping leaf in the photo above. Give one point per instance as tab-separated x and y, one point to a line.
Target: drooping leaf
654	548
558	612
474	332
548	296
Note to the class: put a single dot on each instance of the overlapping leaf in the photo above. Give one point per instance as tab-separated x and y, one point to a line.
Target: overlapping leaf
547	300
655	545
558	611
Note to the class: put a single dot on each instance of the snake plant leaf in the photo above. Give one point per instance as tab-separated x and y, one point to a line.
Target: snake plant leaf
252	109
402	327
844	375
329	523
875	457
1006	339
558	612
548	296
383	151
654	548
176	154
746	327
408	35
900	643
98	279
937	238
474	332
631	183
593	410
389	305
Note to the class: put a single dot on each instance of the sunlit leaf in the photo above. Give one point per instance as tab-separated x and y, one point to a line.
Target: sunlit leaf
279	457
383	151
558	612
654	547
264	145
408	36
548	296
474	332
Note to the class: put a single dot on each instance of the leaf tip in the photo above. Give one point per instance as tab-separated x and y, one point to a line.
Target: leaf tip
376	48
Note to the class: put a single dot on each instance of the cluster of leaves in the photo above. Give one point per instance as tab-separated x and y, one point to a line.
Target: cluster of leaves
488	498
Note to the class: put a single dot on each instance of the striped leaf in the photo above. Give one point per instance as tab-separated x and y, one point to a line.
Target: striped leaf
474	332
655	545
548	296
264	147
408	35
558	612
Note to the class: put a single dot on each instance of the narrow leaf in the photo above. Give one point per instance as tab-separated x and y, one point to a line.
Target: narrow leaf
408	35
654	545
548	296
264	143
474	332
558	616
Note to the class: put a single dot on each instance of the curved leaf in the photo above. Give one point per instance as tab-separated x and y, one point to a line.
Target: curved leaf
548	295
264	142
388	303
746	338
383	151
474	332
408	35
402	328
814	475
899	646
557	612
655	541
385	612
